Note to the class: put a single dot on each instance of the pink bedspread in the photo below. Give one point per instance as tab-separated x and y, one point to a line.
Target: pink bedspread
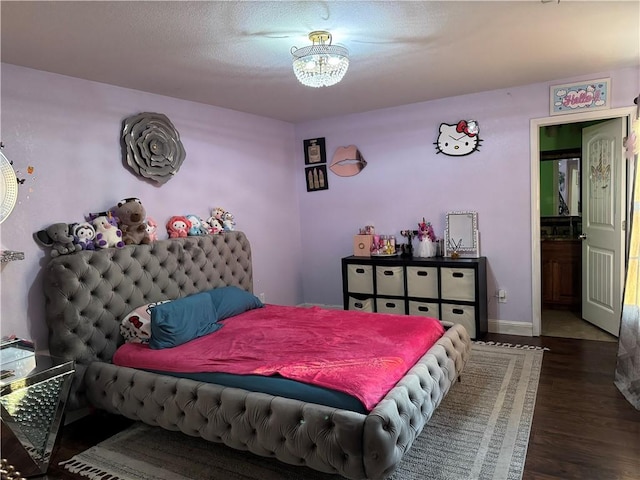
358	353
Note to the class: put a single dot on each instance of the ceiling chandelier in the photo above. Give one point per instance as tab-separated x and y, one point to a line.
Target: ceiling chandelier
320	64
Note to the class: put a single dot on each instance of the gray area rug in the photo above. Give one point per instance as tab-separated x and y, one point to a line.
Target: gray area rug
480	431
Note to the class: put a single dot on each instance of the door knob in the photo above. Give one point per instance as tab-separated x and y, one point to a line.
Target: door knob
582	236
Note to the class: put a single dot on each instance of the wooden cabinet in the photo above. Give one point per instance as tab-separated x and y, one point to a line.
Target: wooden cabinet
561	273
452	290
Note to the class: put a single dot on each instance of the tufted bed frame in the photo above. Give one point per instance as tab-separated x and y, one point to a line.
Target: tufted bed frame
87	293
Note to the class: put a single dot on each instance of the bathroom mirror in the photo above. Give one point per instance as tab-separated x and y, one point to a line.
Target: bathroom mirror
461	234
8	187
560	183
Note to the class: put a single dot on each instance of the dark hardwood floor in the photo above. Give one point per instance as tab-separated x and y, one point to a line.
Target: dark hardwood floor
583	428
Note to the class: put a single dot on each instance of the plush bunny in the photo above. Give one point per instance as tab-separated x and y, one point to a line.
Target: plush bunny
59	238
131	214
107	232
152	229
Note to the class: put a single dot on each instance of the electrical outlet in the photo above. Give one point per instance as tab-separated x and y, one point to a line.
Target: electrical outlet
502	296
261	297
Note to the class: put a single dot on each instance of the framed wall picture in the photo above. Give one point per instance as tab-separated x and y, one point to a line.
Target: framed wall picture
316	178
314	151
580	96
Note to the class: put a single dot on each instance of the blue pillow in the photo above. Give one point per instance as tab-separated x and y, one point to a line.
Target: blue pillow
182	320
231	301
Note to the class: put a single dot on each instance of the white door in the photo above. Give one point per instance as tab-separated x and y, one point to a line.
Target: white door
603	194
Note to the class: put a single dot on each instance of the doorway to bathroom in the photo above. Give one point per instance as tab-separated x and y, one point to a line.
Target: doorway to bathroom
577	273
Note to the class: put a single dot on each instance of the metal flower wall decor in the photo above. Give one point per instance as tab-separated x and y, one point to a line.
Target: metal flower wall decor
153	146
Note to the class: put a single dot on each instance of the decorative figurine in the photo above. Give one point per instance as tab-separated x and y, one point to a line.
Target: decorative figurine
407	248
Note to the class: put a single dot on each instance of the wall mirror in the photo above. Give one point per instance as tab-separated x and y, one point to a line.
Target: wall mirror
560	183
8	187
461	234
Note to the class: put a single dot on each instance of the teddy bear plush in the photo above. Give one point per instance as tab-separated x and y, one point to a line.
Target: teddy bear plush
107	232
59	238
131	215
198	227
84	235
178	226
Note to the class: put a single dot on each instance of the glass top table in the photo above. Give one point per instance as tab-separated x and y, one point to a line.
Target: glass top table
33	393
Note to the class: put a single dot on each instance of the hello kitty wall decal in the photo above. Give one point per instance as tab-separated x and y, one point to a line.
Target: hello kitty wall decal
458	139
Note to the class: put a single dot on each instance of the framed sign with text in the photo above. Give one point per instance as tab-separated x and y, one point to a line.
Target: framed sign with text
580	96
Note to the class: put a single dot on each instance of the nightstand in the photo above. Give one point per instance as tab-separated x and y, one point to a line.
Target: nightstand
33	393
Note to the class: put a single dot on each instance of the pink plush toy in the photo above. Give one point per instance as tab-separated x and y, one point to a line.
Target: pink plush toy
178	226
152	229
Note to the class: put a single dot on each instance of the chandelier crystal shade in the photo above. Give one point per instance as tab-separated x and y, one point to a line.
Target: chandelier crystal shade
320	64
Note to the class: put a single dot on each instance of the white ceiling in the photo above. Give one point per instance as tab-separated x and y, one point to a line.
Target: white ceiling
237	54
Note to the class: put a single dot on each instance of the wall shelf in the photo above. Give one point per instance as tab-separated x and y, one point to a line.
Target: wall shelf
10	256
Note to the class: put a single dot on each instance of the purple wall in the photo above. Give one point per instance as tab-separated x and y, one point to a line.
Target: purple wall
69	130
406	180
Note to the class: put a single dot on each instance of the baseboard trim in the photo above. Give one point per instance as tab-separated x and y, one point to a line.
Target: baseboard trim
504	327
331	307
507	327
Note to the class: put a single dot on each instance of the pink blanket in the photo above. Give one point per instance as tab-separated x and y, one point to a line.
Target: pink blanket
358	353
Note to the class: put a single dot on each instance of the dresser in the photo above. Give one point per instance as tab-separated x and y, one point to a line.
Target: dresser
452	290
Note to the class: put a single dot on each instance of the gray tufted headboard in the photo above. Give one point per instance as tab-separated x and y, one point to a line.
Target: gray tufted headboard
88	292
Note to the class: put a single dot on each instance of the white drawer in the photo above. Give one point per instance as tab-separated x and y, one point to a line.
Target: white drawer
458	283
422	282
360	278
462	314
424	309
360	305
390	305
390	280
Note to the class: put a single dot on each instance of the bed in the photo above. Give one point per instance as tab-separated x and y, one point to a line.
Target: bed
88	293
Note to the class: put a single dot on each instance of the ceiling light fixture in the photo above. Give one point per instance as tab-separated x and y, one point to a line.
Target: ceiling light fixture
321	64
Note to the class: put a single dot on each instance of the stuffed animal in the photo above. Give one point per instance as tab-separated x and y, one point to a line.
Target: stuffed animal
197	226
178	226
217	213
131	214
152	229
107	232
84	234
59	238
214	225
228	223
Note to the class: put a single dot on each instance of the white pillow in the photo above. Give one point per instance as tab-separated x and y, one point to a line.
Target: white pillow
136	326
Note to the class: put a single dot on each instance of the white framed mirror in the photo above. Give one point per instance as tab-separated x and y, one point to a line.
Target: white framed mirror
8	187
461	234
